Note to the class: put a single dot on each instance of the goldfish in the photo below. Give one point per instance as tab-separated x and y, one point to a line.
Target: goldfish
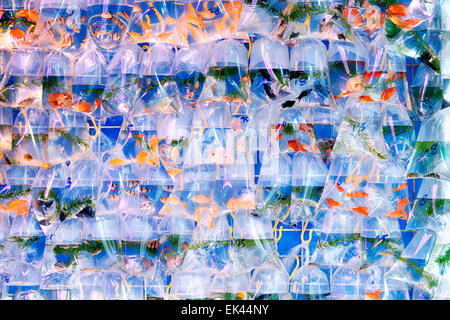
20	207
387	93
17	33
400	212
356	194
403	186
142	157
353	17
174	172
296	145
362	210
173	200
366	99
201	199
397	9
374	295
117	162
60	100
340	189
30	15
82	106
27	157
333	203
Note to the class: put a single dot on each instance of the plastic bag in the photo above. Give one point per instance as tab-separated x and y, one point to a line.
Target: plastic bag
159	22
62	25
57	81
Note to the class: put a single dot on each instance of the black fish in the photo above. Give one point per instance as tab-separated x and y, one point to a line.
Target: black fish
87	212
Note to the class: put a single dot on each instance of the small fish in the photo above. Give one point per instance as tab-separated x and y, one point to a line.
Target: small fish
297	146
400	212
333	203
357	194
366	99
17	33
82	106
131	193
403	186
340	189
117	162
374	295
28	157
201	199
397	9
388	93
362	210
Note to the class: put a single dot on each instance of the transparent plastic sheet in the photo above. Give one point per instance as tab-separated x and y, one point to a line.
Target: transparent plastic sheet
21	86
108	21
89	80
159	22
62	25
30	139
430	155
159	89
122	84
18	22
227	77
270	281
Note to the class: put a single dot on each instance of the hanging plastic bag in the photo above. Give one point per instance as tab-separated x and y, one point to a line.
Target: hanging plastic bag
122	85
269	70
346	62
30	139
253	240
21	85
227	77
108	21
211	20
89	80
61	25
57	81
160	91
159	22
426	91
269	282
68	137
6	128
430	157
191	69
18	22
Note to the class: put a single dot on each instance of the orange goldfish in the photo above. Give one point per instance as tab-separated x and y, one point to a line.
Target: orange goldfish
387	93
400	212
340	189
201	199
356	194
142	157
333	203
366	99
374	295
30	15
353	17
296	145
403	186
60	100
82	106
20	207
17	33
361	210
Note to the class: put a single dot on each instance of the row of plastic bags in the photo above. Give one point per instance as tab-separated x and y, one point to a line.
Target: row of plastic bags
158	149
